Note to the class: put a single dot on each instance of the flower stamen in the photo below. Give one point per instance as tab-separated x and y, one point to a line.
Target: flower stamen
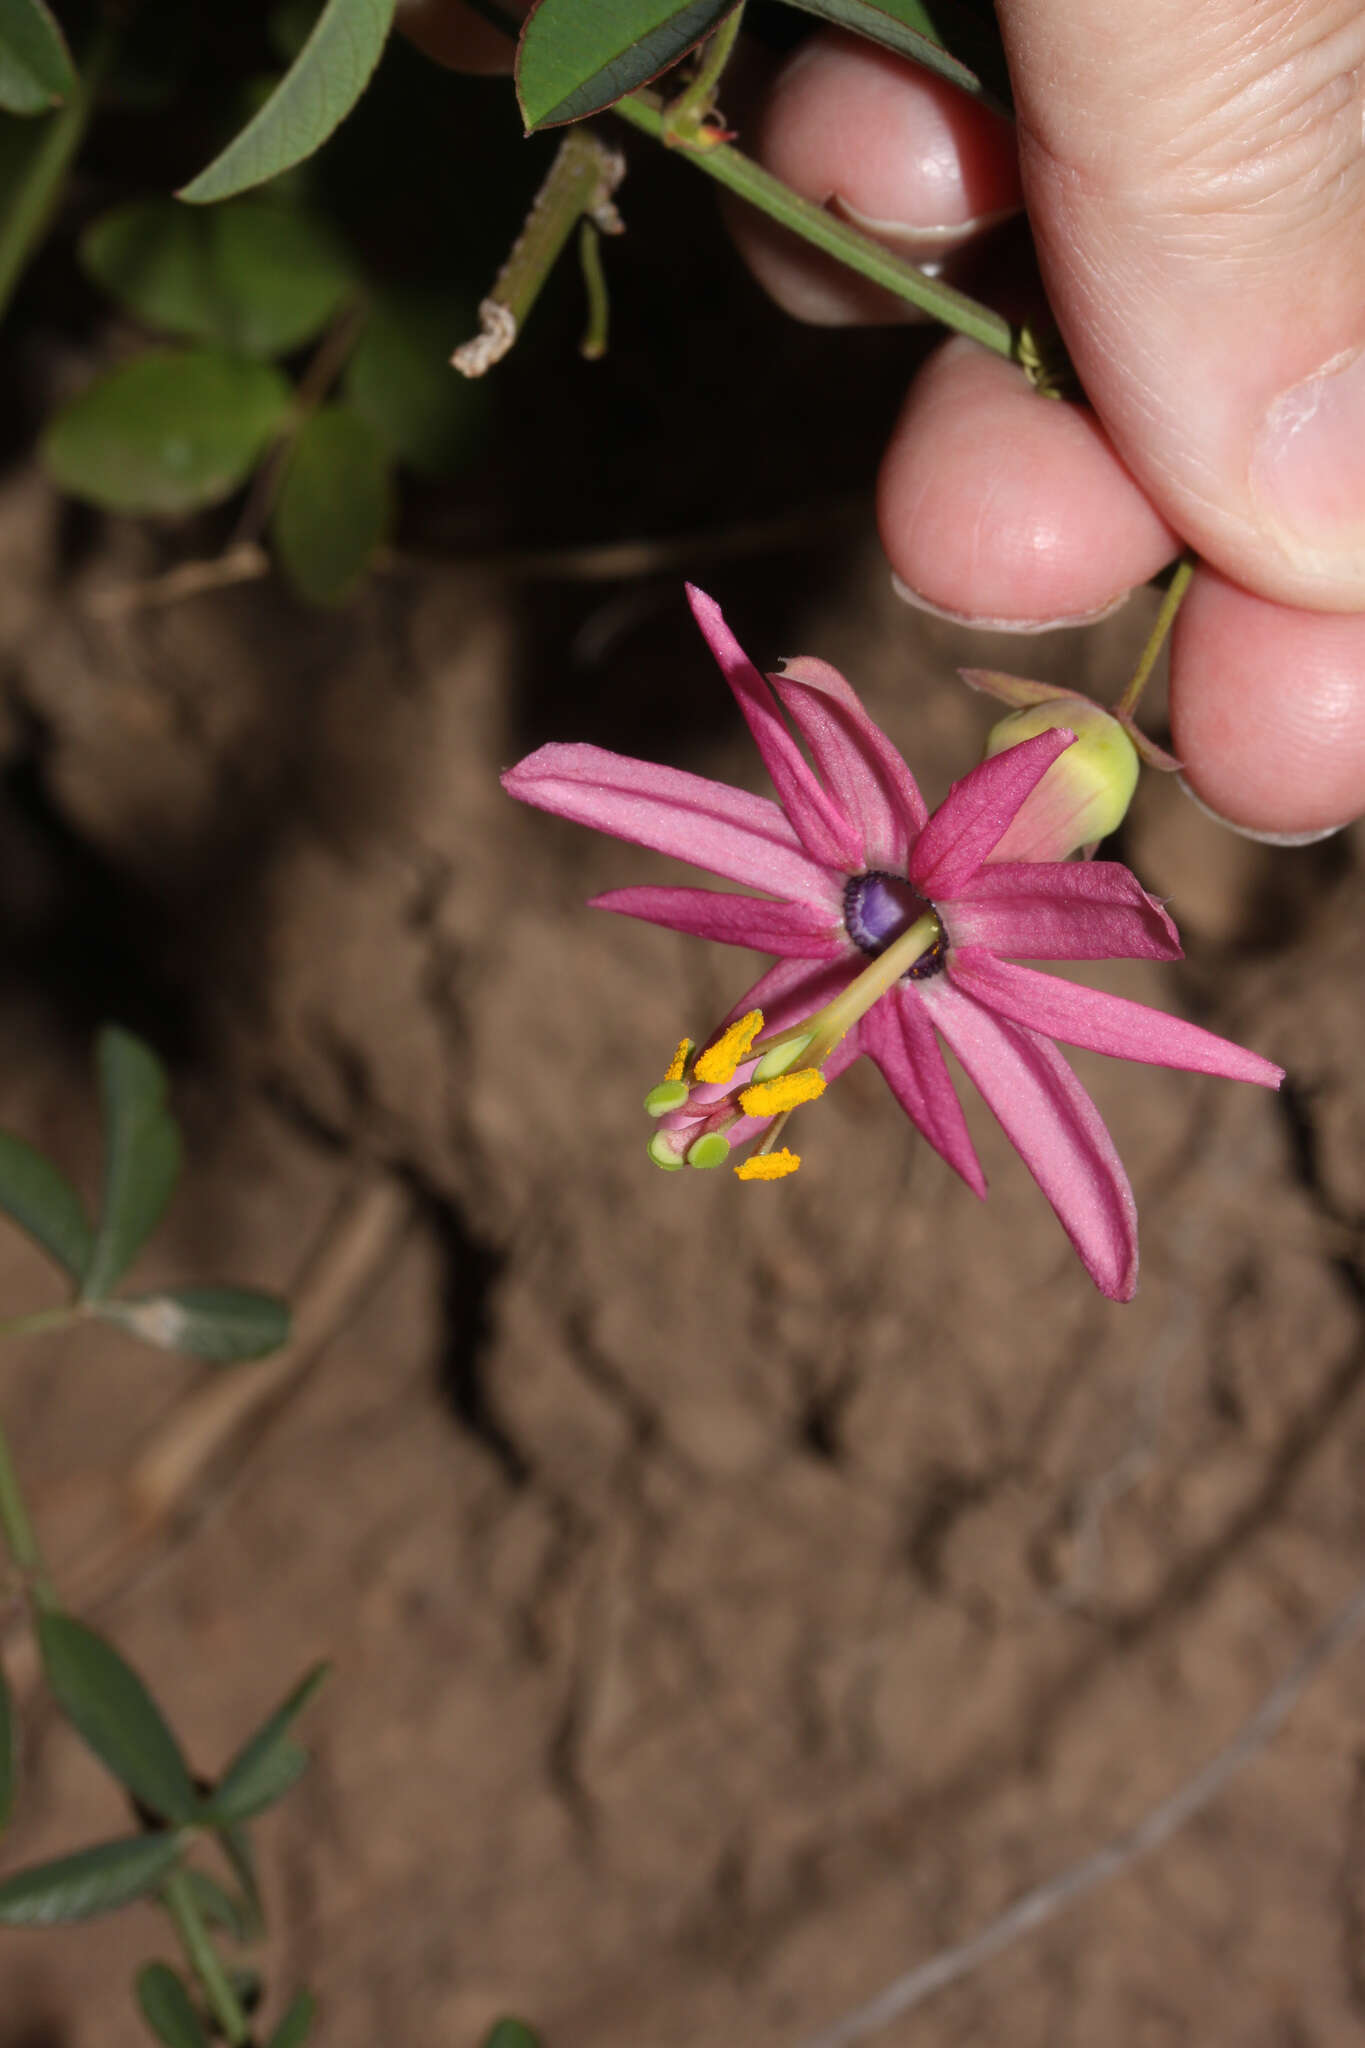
719	1061
768	1165
677	1066
787	1091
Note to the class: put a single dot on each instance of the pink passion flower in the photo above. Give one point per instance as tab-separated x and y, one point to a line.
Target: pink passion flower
896	933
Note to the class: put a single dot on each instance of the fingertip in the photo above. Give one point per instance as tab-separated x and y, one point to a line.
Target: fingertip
1268	710
1000	505
896	151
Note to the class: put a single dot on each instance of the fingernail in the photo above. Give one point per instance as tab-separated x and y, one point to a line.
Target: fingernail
1262	838
926	247
1306	467
990	625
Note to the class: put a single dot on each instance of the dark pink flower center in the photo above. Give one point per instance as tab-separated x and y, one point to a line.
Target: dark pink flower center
877	908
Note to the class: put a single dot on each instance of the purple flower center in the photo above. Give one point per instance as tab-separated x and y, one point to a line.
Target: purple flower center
877	908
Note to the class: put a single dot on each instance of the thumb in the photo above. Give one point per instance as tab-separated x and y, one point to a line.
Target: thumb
1195	178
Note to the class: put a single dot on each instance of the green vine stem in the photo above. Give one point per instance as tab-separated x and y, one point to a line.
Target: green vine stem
205	1960
856	251
34	193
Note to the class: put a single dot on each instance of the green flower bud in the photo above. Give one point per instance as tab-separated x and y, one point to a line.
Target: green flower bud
1084	795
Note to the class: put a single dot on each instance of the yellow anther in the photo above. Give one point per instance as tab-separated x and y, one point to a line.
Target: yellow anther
788	1091
677	1066
719	1061
769	1165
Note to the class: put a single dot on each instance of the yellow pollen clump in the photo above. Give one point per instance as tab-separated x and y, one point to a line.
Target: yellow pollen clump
788	1091
677	1066
719	1061
769	1165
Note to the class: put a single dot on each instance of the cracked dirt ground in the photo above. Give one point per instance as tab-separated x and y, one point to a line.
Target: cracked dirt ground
735	1594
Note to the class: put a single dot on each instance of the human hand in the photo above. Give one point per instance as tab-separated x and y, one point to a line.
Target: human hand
1195	182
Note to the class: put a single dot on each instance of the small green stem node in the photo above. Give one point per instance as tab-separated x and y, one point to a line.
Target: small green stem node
690	120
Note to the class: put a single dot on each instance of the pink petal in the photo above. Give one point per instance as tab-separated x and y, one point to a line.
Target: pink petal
796	989
856	759
1054	910
744	837
826	833
795	930
1100	1022
1055	1128
897	1034
976	813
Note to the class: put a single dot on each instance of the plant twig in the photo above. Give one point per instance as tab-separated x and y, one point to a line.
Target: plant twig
578	186
245	563
1045	1901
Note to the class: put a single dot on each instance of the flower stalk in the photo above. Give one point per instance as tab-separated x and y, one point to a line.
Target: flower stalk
1165	619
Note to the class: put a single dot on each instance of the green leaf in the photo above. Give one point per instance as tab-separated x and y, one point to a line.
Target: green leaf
269	1762
929	32
42	1201
113	1711
167	2007
169	432
93	1881
577	56
221	1324
335	504
293	2030
316	93
510	2034
220	1907
9	1751
399	378
35	65
141	1155
256	276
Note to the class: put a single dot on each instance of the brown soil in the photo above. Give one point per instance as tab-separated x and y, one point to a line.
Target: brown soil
736	1594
